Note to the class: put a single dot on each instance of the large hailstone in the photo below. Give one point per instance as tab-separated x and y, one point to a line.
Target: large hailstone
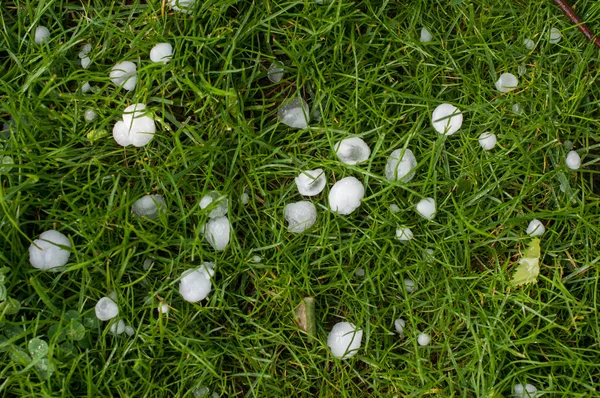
344	340
275	72
46	251
185	6
426	208
573	160
525	391
195	284
399	325
295	113
217	232
423	339
84	57
507	82
345	196
42	35
446	119
136	128
488	140
536	228
426	36
162	52
401	165
404	234
352	151
149	206
218	204
311	182
300	216
106	309
124	74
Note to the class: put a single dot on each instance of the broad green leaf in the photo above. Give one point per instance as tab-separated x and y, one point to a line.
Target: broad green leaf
38	348
529	265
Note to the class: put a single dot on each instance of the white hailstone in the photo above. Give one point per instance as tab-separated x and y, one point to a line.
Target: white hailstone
218	204
129	331
404	234
46	251
149	206
423	339
85	62
85	50
124	74
148	263
344	340
517	109
399	325
522	69
524	391
163	308
535	228
426	36
256	259
117	327
86	87
89	115
195	284
185	6
529	44
295	113
300	216
507	82
136	128
106	309
410	285
217	232
446	119
573	160
275	72
42	35
345	195
245	198
162	52
113	296
311	182
426	208
487	140
394	208
360	272
401	165
554	36
352	151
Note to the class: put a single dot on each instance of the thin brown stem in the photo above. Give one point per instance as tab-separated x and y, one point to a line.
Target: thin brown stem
570	13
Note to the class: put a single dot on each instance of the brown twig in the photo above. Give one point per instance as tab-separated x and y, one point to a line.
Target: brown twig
569	12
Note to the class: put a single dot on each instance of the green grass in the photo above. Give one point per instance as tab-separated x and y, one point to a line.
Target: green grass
362	65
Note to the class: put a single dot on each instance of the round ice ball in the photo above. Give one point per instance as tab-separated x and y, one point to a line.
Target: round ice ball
218	204
345	195
162	52
275	72
149	206
536	228
426	36
524	391
401	165
344	340
124	74
294	113
423	339
311	182
573	160
89	115
163	308
446	119
487	140
352	151
106	309
394	208
410	285
137	127
529	44
517	109
195	285
399	325
507	82
46	251
117	327
42	35
404	234
300	216
554	36
217	232
426	208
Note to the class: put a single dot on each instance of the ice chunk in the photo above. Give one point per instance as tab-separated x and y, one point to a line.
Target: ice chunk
149	206
401	165
129	331
525	391
352	151
404	234
410	286
245	198
136	128
507	82
46	251
344	340
106	309
85	50
311	182
426	36
423	339
195	284
360	272
42	35
573	160
85	62
117	327
214	201
162	52
554	36
86	88
185	6
217	232
394	208
529	44
487	140
517	109
124	74
426	208
345	195
275	72
446	119
89	115
163	308
256	259
148	263
300	216
535	228
295	113
399	325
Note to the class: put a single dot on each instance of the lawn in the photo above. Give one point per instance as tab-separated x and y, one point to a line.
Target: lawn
362	67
